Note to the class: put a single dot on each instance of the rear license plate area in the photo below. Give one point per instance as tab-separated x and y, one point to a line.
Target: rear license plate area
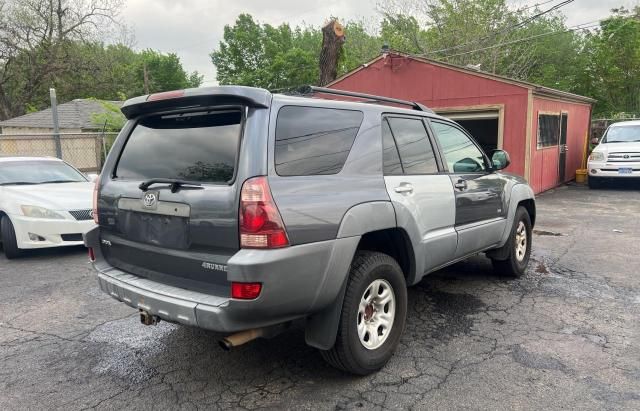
156	229
625	170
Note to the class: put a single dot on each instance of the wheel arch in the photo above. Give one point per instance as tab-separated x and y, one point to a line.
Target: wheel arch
2	214
375	224
530	205
521	195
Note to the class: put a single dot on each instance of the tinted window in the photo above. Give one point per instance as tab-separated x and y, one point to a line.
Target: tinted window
198	146
312	141
390	157
548	130
460	153
414	146
38	172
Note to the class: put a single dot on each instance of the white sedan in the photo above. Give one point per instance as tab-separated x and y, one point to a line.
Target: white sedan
44	202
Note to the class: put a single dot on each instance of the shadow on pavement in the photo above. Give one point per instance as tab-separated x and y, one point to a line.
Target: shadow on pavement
48	252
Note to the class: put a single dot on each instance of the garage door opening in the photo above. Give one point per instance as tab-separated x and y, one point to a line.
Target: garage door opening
484	131
484	126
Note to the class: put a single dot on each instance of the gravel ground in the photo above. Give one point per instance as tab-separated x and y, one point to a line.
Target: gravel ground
566	335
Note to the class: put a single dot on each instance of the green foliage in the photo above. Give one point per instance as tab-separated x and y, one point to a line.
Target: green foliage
262	55
614	64
106	72
404	33
30	108
164	72
265	56
111	119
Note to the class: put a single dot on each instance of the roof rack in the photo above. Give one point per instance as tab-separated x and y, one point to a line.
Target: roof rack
414	105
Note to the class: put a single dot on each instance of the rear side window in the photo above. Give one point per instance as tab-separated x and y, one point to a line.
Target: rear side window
314	141
413	144
199	146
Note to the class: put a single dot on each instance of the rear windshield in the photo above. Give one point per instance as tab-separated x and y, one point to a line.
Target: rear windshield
200	146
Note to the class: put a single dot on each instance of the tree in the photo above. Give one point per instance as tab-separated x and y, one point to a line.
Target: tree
266	56
262	55
528	43
164	72
614	64
35	38
111	119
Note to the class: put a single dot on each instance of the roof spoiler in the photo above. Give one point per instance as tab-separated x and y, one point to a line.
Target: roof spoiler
414	105
196	97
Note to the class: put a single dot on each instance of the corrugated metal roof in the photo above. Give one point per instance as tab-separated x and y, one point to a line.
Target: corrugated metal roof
74	114
536	88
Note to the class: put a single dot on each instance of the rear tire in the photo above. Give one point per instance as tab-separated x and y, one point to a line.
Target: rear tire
9	242
374	314
518	247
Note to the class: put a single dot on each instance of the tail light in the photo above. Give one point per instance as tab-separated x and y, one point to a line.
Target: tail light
261	225
94	209
92	255
245	291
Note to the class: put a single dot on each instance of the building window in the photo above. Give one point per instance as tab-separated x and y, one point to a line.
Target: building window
548	130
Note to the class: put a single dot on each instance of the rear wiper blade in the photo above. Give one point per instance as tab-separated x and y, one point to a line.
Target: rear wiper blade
59	181
175	184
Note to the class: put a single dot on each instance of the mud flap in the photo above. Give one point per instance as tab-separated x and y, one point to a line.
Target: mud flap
321	328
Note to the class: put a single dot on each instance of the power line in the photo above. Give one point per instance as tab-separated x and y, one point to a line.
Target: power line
535	5
549	33
507	29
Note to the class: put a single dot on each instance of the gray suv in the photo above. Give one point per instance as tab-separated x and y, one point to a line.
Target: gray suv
243	212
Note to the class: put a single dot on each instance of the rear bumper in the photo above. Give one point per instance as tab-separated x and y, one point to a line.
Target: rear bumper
297	281
51	231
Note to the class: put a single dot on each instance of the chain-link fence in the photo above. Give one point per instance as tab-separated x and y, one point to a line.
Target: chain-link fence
85	151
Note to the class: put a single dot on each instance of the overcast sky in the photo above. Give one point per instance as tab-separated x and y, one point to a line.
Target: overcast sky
193	28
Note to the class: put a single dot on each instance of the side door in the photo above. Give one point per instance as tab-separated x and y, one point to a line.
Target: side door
480	201
422	197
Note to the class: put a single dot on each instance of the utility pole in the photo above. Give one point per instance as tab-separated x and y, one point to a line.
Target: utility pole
146	78
56	127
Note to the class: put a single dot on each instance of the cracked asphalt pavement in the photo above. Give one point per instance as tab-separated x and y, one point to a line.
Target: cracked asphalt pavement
565	335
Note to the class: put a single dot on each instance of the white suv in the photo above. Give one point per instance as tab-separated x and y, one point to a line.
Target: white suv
617	154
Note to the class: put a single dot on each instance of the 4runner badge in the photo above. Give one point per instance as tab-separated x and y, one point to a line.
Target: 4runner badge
213	266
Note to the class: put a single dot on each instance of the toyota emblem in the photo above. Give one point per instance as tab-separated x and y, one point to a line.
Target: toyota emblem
149	200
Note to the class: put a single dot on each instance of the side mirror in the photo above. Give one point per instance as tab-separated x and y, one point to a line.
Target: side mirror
500	159
92	177
595	141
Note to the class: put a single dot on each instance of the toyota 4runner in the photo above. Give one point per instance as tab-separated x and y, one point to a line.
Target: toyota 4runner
241	211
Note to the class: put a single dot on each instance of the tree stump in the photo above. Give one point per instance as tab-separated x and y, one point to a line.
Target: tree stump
332	40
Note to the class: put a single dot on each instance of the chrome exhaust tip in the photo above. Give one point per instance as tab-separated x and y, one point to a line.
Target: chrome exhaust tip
240	338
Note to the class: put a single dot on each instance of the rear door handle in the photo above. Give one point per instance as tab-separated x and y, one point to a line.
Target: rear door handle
461	185
404	188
